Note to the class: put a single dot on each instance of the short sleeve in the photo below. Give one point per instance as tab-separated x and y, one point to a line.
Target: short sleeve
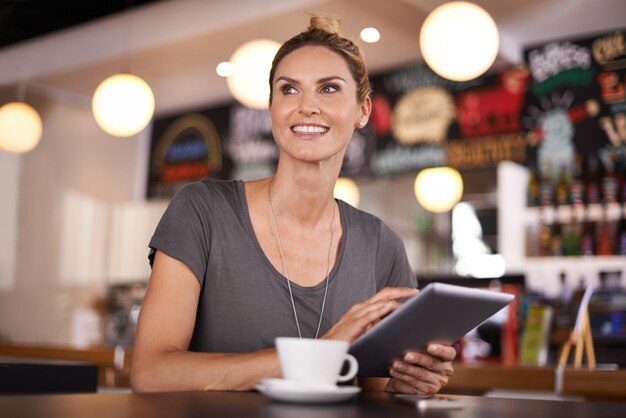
392	264
184	230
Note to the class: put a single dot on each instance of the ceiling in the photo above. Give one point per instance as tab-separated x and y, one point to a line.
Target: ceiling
26	19
176	44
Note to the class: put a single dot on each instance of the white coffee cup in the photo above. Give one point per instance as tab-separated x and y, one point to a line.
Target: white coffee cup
316	362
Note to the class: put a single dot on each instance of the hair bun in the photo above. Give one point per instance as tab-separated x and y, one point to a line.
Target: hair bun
326	23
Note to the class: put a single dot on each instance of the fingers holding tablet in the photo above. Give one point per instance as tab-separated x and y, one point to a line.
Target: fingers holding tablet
364	315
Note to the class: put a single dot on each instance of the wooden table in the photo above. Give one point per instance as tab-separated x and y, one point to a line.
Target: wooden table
253	404
591	384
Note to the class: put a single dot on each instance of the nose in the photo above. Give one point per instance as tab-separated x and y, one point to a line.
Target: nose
309	104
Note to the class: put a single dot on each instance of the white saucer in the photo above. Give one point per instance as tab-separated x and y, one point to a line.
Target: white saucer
287	391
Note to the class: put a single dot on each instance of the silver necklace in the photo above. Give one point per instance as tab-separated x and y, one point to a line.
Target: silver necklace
282	256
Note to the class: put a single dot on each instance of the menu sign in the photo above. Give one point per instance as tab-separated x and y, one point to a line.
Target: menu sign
184	148
576	102
412	111
489	122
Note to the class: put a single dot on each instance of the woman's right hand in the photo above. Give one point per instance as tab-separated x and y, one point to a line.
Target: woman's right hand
364	315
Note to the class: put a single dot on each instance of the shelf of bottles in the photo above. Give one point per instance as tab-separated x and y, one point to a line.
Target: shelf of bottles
580	214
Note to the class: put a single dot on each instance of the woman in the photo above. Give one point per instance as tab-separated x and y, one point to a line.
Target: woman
237	264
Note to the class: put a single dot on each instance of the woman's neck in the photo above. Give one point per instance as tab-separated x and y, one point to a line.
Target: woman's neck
303	195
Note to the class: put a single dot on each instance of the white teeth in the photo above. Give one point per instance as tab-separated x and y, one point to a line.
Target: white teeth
309	129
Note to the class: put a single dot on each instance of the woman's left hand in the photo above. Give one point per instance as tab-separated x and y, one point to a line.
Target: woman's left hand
422	373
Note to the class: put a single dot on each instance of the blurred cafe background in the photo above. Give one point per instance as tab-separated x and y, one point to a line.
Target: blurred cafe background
506	170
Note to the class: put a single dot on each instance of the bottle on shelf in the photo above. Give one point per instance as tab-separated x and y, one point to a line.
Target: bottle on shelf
587	239
577	184
562	189
533	188
620	246
620	172
592	180
571	239
544	239
610	184
556	241
605	237
582	213
546	189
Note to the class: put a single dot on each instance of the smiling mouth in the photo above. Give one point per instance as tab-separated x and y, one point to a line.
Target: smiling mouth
309	129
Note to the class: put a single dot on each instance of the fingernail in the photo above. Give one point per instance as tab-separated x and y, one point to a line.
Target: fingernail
398	366
433	349
409	357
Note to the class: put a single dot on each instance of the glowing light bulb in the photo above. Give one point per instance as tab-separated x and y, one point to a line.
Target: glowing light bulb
20	127
348	191
252	63
459	40
438	189
123	105
370	35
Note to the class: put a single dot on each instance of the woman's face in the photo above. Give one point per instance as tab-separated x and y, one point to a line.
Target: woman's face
314	108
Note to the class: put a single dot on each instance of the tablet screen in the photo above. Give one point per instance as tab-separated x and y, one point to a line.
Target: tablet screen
439	313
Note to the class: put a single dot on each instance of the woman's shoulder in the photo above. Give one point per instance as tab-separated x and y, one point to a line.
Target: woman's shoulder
357	218
209	188
366	222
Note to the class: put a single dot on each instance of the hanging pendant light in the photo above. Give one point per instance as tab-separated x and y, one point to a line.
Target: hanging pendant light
252	63
20	127
459	40
123	104
438	189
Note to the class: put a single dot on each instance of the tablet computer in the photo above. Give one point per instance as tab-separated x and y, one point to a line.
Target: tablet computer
438	313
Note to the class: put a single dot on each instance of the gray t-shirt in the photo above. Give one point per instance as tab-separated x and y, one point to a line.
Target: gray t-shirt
244	302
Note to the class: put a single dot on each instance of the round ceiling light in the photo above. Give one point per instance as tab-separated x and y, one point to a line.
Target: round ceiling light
252	63
348	191
370	35
20	127
123	104
459	40
438	189
224	68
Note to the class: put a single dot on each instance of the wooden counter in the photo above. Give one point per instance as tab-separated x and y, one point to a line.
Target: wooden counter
591	384
473	379
484	377
596	384
113	363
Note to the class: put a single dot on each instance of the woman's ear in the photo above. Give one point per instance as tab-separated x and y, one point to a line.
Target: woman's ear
365	110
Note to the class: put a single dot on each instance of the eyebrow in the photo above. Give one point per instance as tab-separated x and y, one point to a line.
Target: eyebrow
320	81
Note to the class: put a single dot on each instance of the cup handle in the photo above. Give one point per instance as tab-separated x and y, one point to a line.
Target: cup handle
354	367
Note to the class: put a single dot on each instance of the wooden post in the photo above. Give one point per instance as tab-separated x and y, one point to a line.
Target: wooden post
580	337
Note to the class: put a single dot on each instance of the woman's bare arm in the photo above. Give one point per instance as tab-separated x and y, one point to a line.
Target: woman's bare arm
161	360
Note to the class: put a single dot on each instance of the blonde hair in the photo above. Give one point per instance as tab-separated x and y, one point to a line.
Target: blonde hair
329	24
324	31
